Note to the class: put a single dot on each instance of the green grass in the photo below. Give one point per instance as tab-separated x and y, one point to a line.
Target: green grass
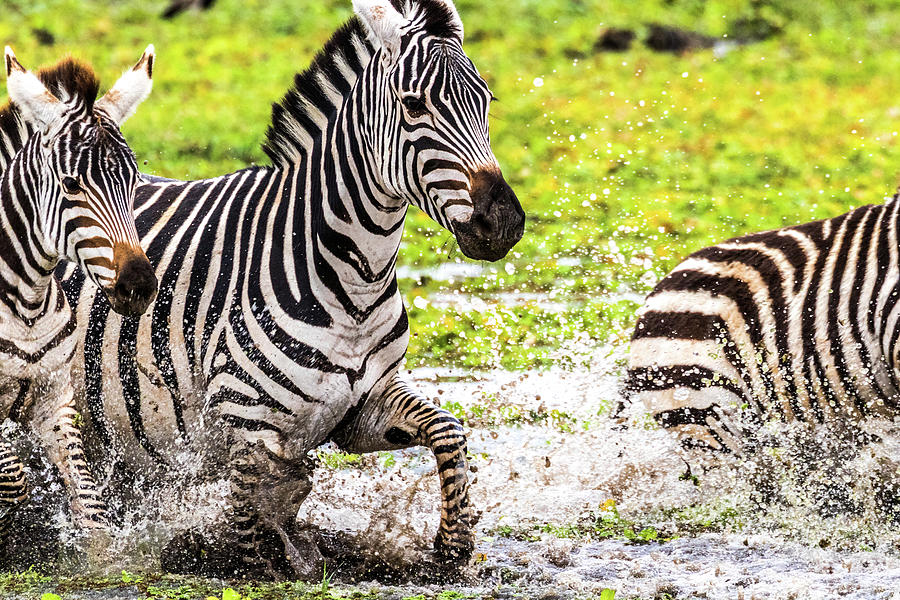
173	587
605	522
32	584
601	524
624	162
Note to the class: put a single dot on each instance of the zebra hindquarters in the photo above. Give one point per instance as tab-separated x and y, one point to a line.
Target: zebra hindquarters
401	418
694	373
13	487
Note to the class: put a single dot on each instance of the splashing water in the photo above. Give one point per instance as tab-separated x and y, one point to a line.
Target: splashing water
572	502
800	520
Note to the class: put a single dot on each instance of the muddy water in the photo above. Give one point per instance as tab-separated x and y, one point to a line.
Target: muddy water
561	472
546	451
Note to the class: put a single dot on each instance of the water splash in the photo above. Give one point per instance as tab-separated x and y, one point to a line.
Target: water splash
812	516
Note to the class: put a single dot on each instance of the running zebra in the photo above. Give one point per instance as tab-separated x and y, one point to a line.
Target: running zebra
66	190
800	323
279	324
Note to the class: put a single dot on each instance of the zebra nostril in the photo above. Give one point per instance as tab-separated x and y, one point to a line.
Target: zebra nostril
121	289
135	287
483	224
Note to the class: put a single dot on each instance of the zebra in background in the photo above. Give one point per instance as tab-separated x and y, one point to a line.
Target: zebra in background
279	324
176	7
796	324
66	191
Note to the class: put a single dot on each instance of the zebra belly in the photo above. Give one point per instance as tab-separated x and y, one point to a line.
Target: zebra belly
298	422
146	425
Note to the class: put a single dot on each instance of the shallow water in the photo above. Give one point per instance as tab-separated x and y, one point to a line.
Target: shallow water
559	473
545	451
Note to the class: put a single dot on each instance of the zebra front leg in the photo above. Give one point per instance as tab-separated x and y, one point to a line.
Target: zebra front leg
54	421
13	487
266	493
401	418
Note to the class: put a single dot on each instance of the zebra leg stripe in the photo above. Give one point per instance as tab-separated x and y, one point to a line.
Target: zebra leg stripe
244	481
54	422
13	487
267	491
401	418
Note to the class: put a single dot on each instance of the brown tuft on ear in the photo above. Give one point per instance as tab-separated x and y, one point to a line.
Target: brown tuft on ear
71	77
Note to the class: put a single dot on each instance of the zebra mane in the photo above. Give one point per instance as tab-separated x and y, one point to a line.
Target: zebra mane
69	79
437	18
317	93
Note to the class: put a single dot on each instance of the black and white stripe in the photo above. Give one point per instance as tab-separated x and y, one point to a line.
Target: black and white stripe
13	486
279	324
66	190
800	323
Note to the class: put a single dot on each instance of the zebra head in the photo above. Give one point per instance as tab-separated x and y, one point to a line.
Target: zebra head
87	174
428	124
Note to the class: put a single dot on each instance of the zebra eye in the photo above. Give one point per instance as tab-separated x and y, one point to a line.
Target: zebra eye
415	105
71	186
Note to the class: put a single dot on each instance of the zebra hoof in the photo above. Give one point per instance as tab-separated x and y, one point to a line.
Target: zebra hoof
455	551
291	552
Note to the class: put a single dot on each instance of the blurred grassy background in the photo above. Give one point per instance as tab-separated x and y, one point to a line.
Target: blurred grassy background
624	162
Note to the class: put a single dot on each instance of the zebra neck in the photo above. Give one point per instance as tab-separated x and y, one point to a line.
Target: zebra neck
26	260
359	228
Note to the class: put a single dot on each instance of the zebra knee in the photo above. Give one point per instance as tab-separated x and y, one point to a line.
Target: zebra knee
398	437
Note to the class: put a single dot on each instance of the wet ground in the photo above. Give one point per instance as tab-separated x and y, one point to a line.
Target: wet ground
554	485
573	503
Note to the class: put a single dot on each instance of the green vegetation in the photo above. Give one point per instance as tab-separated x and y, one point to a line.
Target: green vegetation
30	584
624	162
606	523
336	459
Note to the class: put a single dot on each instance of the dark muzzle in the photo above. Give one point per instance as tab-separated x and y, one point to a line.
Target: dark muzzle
497	221
135	285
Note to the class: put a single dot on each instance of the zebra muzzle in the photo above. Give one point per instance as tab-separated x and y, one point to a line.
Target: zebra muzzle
497	222
135	285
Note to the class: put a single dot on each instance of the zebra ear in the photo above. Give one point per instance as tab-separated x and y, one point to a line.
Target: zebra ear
35	102
383	23
131	89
